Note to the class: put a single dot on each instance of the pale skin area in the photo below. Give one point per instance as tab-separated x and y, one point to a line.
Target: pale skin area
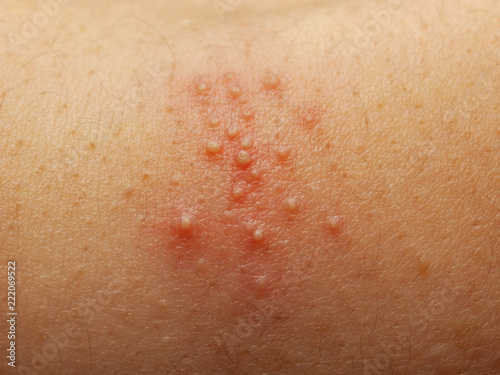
407	153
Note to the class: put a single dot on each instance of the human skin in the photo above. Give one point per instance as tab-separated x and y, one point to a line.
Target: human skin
364	237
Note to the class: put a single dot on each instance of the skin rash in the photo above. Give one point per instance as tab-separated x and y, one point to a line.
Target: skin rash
236	214
276	193
244	203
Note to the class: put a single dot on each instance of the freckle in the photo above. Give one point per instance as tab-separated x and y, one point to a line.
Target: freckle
334	223
246	143
248	114
284	153
232	132
423	268
271	81
258	235
243	158
201	199
235	91
213	147
129	193
238	193
185	222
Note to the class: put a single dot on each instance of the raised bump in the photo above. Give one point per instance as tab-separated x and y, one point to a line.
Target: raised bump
254	174
333	223
284	153
243	158
271	81
213	122
247	114
232	132
229	77
246	143
258	235
185	222
310	115
202	88
290	205
201	266
261	283
238	193
235	91
213	147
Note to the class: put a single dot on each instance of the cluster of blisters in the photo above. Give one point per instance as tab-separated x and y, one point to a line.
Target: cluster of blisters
234	216
247	135
233	135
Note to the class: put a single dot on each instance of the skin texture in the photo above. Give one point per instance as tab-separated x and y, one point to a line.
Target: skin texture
375	199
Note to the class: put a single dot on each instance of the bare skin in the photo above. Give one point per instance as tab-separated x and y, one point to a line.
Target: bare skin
263	188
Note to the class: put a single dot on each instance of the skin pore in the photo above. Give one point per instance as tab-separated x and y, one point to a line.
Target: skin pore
295	187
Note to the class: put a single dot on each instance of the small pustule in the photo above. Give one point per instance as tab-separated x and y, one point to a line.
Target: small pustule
201	266
213	147
232	132
255	174
290	205
258	235
248	114
284	153
310	116
186	223
234	91
333	223
238	192
261	283
246	143
202	88
271	81
213	122
243	158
